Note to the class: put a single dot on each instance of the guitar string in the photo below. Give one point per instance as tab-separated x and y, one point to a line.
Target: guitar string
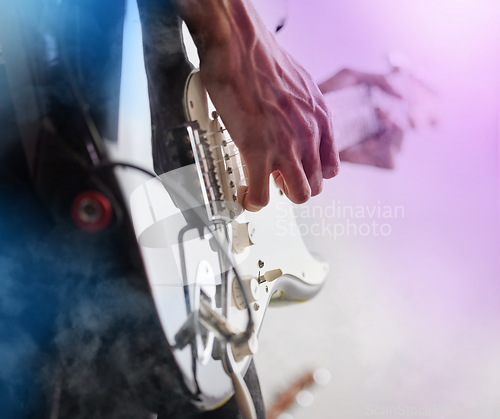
239	166
226	157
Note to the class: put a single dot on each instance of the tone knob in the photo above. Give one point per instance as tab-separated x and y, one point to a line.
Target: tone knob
243	236
251	287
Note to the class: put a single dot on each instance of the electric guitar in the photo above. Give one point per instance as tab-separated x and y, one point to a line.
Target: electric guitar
225	265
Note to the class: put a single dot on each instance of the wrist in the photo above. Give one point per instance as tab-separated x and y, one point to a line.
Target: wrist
216	25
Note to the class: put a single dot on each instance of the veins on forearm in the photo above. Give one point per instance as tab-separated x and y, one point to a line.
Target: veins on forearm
213	23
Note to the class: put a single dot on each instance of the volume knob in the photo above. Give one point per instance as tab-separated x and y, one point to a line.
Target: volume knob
251	287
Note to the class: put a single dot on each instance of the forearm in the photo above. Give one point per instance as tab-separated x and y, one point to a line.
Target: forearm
216	24
238	55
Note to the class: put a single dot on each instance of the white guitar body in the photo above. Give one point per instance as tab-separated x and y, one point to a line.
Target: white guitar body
271	259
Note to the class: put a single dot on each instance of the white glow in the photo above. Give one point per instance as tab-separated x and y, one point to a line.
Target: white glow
304	398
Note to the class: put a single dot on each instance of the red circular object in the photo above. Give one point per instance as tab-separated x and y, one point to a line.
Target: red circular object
91	211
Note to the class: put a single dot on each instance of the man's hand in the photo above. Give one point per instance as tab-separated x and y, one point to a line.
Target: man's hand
348	77
272	108
379	149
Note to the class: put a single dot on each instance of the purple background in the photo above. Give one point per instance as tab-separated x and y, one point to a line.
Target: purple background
410	320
